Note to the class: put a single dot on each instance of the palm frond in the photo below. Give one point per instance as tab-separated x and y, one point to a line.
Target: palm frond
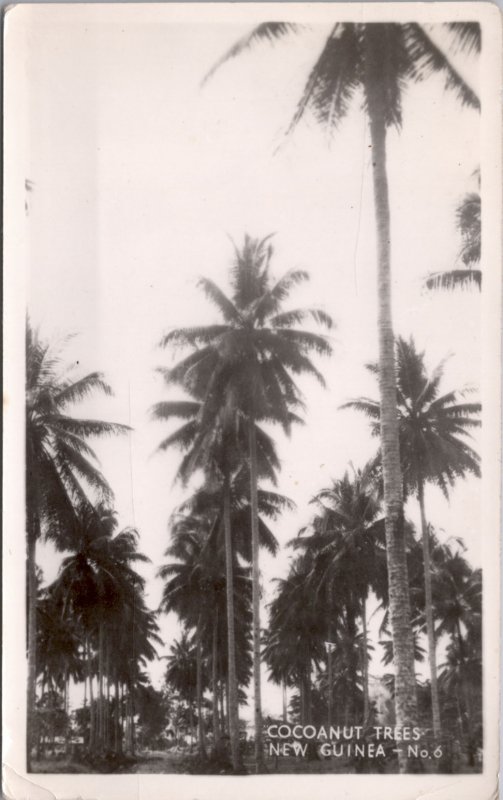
454	279
180	409
427	57
213	292
295	317
468	35
86	427
266	31
82	388
193	337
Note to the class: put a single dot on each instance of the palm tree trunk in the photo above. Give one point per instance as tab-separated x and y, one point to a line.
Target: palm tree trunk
107	706
121	716
39	727
330	688
191	722
308	693
399	602
428	607
214	681
92	707
466	694
232	709
118	732
259	751
285	704
223	718
353	660
132	712
67	716
365	665
199	692
33	530
100	687
300	689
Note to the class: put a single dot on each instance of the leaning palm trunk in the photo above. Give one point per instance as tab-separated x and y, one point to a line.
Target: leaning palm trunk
232	707
399	602
32	637
259	756
428	606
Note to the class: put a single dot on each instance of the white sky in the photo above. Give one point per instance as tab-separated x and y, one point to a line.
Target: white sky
140	176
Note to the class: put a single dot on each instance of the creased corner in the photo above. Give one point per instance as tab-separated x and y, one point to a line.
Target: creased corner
16	787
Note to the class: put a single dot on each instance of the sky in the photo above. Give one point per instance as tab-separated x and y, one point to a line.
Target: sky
142	178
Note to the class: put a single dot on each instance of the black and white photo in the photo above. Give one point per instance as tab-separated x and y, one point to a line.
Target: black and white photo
252	397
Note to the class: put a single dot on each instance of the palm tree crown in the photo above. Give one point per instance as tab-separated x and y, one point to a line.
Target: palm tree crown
434	427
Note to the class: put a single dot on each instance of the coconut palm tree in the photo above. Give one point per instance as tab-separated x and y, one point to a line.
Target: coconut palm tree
98	588
58	651
243	368
457	605
181	673
373	62
469	224
433	431
194	588
61	468
346	537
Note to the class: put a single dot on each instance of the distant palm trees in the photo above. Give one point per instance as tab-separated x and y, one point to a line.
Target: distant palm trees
92	623
374	62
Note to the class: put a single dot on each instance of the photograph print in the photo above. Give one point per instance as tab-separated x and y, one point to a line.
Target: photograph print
254	327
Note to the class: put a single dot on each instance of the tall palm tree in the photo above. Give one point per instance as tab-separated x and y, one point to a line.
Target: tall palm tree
374	62
61	468
433	432
243	367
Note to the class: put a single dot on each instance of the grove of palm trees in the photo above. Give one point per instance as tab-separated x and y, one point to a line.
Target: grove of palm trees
253	410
